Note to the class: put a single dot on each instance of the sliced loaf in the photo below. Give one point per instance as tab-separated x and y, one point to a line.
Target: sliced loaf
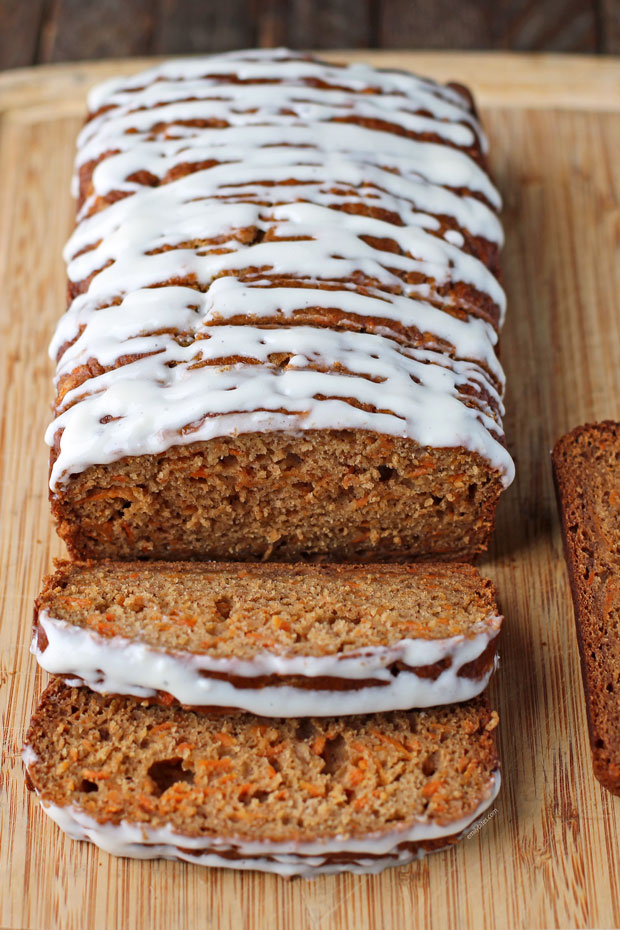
586	465
281	640
286	796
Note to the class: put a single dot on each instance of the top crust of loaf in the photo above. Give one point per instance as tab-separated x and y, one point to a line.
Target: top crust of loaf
586	465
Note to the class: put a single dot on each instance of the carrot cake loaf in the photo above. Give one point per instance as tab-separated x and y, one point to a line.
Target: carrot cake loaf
284	307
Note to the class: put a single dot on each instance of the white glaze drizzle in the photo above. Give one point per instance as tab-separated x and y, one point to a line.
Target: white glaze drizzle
146	406
307	859
119	665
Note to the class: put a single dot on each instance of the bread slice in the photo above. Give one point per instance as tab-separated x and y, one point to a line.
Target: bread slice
283	640
586	465
285	796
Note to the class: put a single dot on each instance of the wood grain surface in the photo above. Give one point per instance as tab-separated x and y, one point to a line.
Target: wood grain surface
550	855
36	31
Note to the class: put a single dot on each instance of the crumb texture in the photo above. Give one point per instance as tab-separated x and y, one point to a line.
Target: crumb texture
320	495
260	779
241	610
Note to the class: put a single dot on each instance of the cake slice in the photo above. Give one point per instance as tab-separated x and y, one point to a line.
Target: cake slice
295	797
277	640
586	465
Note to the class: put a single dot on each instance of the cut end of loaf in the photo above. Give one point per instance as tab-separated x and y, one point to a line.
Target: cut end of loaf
586	463
320	495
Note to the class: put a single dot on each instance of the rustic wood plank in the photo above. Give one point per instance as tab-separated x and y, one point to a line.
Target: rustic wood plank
74	30
271	22
189	26
609	15
19	32
330	24
549	856
548	25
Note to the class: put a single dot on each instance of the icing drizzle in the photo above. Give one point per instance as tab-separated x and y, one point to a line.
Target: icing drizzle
268	242
119	665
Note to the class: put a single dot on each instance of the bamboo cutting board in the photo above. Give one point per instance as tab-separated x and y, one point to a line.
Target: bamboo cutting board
550	854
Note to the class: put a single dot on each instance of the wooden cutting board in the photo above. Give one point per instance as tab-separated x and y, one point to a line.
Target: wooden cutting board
550	854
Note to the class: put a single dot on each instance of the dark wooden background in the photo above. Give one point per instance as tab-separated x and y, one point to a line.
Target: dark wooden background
35	31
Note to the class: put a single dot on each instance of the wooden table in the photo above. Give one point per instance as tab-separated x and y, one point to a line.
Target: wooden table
550	856
40	31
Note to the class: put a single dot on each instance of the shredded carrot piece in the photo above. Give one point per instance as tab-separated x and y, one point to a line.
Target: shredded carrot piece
391	742
319	745
431	787
162	726
77	601
355	775
361	501
315	791
91	775
226	739
183	619
419	471
214	764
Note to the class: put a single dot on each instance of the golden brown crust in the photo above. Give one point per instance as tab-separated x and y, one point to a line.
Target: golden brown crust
586	465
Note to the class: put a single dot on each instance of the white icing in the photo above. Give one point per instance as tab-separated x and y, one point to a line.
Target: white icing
273	134
282	858
153	401
29	756
119	665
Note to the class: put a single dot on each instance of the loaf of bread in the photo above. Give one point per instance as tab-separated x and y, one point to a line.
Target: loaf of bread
586	466
283	318
277	640
285	796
